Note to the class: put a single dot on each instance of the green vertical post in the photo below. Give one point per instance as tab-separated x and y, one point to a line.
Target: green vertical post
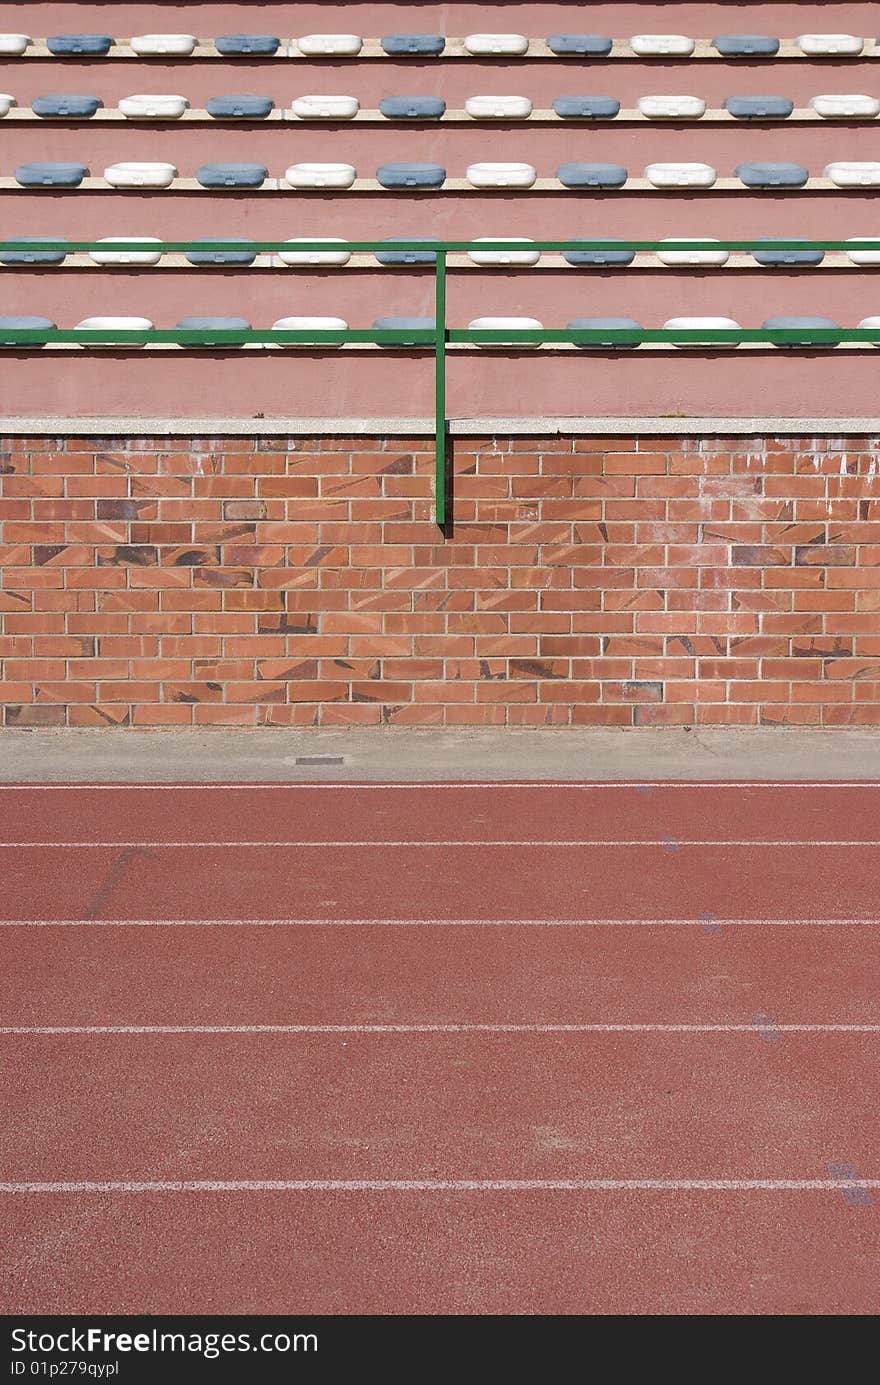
440	389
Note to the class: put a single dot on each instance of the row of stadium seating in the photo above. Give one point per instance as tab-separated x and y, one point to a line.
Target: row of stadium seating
240	252
433	45
208	325
153	174
171	106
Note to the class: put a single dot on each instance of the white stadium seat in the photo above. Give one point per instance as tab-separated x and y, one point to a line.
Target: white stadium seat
854	175
680	175
489	257
307	324
672	107
700	255
345	45
511	45
652	45
169	45
303	257
140	175
114	324
133	256
326	107
320	175
692	324
502	324
818	45
13	45
163	107
834	106
6	103
865	257
498	175
498	107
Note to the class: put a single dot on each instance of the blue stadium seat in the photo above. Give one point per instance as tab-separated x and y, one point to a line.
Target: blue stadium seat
231	175
402	44
91	45
589	107
786	323
239	107
759	107
783	257
44	257
58	104
234	45
600	324
23	322
403	324
393	257
772	175
740	45
56	175
591	175
213	324
596	45
242	256
412	107
411	175
598	257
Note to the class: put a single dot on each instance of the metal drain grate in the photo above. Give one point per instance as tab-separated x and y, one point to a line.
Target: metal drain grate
320	759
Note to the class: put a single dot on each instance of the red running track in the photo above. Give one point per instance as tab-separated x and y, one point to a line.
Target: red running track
604	1048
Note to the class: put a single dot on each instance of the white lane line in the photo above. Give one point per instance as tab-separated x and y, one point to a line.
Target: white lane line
449	1185
714	924
96	1029
669	843
432	784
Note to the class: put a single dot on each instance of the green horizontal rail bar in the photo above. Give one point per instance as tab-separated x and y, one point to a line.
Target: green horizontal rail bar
458	246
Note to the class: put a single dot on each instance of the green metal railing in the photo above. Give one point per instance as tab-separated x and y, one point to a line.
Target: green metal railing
441	336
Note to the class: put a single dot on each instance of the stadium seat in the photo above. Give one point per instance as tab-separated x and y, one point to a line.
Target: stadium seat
680	175
819	45
501	257
114	324
398	257
427	45
322	45
57	175
309	324
586	107
501	175
303	257
41	257
742	45
13	45
599	257
796	324
89	45
326	107
243	255
23	323
871	324
606	324
166	107
854	175
58	105
213	324
236	45
671	107
403	324
6	103
594	45
501	324
239	107
511	45
772	175
128	256
653	45
164	45
771	257
701	254
865	257
140	175
498	107
591	175
692	324
837	107
411	175
759	107
412	107
231	175
320	175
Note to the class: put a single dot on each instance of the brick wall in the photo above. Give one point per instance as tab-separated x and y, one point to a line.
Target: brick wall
232	581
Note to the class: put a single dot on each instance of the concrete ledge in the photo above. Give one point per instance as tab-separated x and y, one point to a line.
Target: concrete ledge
423	756
16	425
